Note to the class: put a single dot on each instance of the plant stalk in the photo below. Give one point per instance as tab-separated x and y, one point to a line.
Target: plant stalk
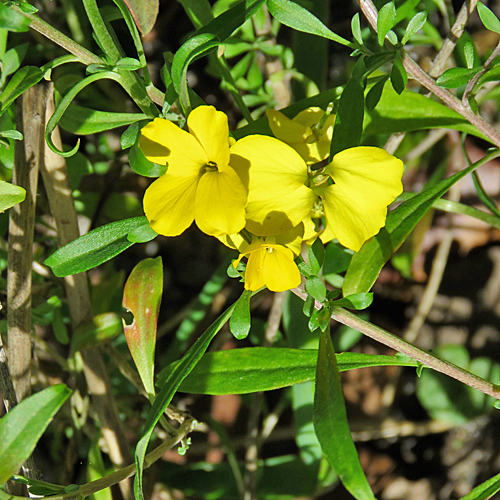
347	318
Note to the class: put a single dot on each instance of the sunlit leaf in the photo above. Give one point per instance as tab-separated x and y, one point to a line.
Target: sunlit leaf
23	426
142	297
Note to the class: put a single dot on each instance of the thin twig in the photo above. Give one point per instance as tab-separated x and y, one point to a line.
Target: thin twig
415	71
347	318
77	291
119	476
475	78
439	63
28	156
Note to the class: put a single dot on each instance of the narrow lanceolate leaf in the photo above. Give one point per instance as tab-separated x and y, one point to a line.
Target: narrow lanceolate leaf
296	17
21	81
179	373
144	13
330	423
255	369
94	248
10	195
456	77
83	121
368	262
197	46
488	18
240	321
142	297
385	21
21	428
484	491
415	24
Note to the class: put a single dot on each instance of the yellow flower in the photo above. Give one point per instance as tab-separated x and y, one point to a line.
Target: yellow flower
271	265
309	133
200	183
352	192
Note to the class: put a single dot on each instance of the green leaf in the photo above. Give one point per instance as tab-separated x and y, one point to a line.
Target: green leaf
142	234
356	301
356	28
485	490
12	59
230	20
415	24
399	78
128	64
21	81
10	195
375	93
296	17
316	288
385	21
412	111
316	256
199	11
23	426
240	321
101	328
94	248
255	369
66	101
469	53
141	165
488	18
330	423
179	373
368	262
142	297
349	118
12	20
337	258
194	48
12	134
85	121
144	13
456	77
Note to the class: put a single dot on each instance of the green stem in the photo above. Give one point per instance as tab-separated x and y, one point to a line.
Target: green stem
45	29
87	57
114	478
384	337
101	31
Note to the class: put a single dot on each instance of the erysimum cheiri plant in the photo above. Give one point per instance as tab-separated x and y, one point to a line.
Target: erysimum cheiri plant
264	187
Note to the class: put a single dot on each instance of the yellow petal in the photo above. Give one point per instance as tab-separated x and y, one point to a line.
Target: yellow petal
286	130
367	180
220	203
234	241
280	271
169	204
275	175
309	117
291	239
254	275
210	128
163	142
278	213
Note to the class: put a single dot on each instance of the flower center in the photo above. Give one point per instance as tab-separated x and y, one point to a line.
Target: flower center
211	166
317	211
